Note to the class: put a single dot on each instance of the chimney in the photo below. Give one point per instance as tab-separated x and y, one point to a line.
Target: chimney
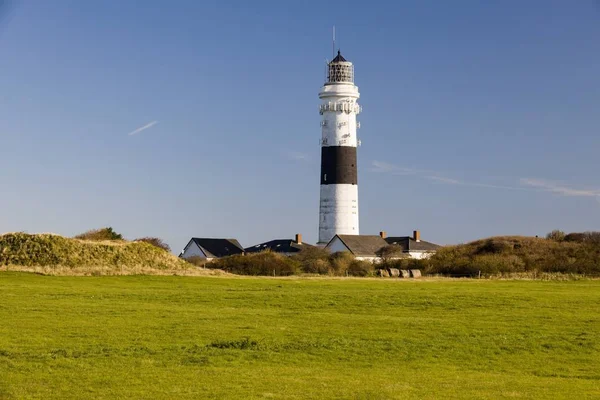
383	234
417	236
298	238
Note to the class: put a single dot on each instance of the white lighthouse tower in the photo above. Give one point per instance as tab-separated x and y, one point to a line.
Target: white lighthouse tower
338	213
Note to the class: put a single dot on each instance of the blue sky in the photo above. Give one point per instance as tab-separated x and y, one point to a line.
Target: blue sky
479	118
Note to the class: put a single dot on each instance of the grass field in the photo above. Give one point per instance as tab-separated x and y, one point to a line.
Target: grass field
215	337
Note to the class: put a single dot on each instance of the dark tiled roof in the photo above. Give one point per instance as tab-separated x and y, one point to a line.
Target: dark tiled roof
339	58
363	245
219	247
408	243
279	246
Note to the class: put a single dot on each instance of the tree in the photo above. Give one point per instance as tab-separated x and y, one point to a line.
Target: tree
556	235
154	241
386	253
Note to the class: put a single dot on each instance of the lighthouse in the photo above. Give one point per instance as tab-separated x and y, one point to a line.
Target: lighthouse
338	208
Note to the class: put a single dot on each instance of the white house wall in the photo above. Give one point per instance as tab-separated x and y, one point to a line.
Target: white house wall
375	260
419	255
192	250
336	245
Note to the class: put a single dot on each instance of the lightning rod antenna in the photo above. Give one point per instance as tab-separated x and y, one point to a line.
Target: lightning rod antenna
333	45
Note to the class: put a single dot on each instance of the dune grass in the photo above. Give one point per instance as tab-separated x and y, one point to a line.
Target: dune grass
57	255
165	337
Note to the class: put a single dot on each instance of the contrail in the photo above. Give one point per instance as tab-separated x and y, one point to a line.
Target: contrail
526	184
143	128
549	186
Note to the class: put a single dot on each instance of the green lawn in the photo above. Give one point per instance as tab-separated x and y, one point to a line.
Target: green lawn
237	338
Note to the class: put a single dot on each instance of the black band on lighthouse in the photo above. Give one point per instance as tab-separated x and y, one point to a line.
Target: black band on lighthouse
338	165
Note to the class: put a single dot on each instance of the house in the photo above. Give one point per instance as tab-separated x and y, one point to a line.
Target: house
362	247
412	245
287	247
210	248
367	247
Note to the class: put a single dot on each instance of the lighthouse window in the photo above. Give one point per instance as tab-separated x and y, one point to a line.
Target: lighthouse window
341	73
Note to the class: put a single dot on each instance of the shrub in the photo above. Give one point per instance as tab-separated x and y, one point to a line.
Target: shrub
313	260
321	267
408	263
491	264
263	263
575	237
423	264
495	246
154	241
100	234
361	268
312	253
340	262
577	253
593	237
196	261
584	237
397	263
